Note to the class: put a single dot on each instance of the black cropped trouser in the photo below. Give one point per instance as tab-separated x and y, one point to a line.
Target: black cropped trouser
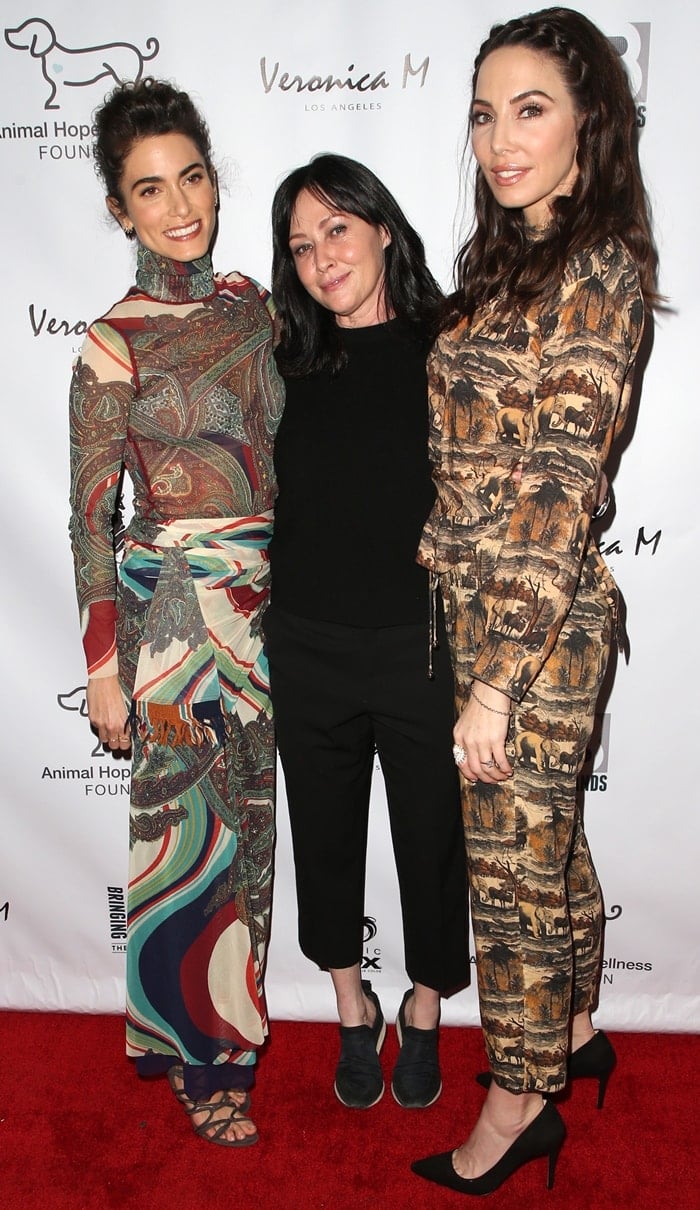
339	693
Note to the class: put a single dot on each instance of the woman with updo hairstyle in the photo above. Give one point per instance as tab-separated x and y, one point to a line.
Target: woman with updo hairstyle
529	383
176	385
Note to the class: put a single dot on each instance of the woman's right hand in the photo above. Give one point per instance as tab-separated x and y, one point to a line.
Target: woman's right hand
107	712
480	735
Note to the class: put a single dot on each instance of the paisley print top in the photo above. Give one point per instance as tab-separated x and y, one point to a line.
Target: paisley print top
549	387
177	385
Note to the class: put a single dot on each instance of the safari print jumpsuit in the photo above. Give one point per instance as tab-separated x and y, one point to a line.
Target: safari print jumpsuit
530	609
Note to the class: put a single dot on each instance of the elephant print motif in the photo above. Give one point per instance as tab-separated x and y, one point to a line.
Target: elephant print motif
511	425
532	750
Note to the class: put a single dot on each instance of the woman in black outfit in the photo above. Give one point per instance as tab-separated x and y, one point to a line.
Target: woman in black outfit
351	633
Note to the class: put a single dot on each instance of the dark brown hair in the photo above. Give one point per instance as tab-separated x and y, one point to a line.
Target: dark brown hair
138	110
310	338
608	197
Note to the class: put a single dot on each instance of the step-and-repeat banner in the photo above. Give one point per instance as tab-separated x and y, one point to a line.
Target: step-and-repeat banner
387	82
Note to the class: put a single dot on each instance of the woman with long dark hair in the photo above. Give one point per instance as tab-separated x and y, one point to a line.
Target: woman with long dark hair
350	629
177	385
533	372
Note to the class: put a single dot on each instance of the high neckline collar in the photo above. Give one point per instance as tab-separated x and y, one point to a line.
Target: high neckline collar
174	281
536	232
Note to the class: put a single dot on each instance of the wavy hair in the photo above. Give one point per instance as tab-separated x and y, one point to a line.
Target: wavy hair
608	196
136	110
310	339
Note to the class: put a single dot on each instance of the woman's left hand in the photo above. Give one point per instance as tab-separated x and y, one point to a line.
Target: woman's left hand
108	712
480	733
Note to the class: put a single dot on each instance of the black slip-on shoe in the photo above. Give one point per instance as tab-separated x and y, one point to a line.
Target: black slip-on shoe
416	1082
359	1082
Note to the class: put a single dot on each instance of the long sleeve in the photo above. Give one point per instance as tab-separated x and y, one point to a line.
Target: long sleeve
100	395
588	339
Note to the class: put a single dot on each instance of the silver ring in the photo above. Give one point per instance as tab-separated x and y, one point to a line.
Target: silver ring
458	753
487	764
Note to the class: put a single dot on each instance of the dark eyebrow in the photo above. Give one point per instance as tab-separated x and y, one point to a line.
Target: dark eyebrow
331	215
154	180
529	92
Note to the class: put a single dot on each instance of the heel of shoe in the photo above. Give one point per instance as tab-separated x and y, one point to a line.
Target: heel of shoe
557	1137
595	1060
602	1085
552	1164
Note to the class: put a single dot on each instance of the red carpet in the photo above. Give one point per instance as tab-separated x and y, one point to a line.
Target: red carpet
79	1131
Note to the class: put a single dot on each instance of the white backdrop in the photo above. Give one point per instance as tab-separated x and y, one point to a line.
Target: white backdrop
263	73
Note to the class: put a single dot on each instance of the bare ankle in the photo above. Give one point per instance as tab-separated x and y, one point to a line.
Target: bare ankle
581	1030
423	1007
508	1112
353	1006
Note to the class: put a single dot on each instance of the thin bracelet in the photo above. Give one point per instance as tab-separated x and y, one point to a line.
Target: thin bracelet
492	709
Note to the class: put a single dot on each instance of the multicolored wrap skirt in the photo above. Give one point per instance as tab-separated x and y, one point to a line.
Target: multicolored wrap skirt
202	798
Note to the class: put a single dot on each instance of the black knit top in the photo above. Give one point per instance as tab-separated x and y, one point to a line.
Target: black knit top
351	459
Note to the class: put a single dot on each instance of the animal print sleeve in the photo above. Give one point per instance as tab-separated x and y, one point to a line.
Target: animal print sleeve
589	337
100	394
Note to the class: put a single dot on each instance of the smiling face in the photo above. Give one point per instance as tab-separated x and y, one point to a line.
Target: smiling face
524	131
339	259
169	197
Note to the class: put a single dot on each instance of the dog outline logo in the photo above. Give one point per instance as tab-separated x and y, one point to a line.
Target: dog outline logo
78	67
76	702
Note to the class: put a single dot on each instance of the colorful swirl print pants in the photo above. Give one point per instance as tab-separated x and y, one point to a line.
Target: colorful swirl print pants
202	823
